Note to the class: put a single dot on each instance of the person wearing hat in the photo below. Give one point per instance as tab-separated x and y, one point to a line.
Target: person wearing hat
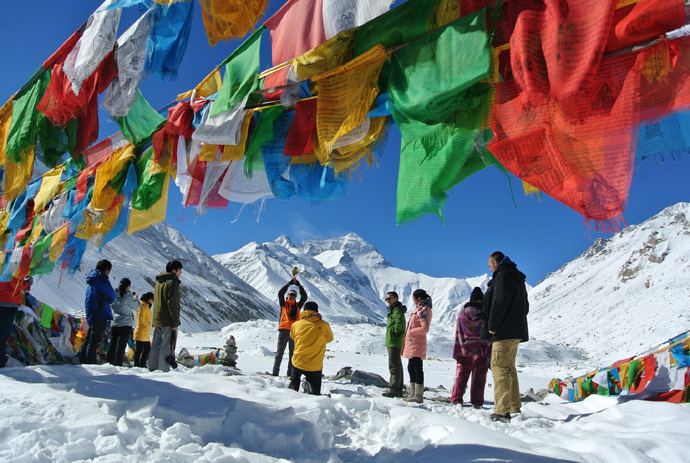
472	355
310	335
289	314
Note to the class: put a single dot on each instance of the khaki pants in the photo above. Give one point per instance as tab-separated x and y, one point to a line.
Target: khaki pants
506	386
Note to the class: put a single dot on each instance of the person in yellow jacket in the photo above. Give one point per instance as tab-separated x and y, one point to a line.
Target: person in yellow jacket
310	334
142	333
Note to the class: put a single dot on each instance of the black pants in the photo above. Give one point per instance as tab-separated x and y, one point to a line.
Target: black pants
94	336
312	377
284	339
119	336
395	367
6	322
141	353
414	368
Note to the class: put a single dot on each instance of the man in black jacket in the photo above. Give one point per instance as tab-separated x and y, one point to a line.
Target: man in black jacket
505	312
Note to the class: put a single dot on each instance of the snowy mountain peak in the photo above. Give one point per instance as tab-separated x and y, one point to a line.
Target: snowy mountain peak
636	279
346	276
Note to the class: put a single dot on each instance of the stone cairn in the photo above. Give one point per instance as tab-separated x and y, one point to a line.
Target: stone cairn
228	357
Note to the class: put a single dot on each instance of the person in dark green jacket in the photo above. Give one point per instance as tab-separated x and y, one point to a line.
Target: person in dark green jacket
166	317
395	333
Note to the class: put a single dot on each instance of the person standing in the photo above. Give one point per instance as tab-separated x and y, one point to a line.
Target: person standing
289	314
166	316
142	333
310	334
10	299
395	334
505	310
414	344
99	295
123	321
471	354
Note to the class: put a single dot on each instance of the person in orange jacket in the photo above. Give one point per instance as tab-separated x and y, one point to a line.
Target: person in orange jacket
310	334
289	314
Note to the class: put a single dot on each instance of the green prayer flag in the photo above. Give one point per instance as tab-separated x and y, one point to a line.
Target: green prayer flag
41	250
26	119
142	121
241	74
263	133
150	186
397	26
439	105
46	316
588	386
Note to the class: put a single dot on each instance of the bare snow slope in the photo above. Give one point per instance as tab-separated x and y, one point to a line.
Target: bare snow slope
622	296
346	276
212	296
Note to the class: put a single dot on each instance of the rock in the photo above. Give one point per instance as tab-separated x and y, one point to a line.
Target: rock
367	378
343	373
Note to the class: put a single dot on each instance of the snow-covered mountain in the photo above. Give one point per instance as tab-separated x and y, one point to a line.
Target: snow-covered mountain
346	276
622	296
212	296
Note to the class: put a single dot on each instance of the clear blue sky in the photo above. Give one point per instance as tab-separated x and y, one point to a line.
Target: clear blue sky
481	218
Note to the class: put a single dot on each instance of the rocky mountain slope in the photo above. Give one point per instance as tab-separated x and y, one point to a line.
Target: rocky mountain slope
212	296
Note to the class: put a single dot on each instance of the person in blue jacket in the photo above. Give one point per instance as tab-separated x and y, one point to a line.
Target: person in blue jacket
99	295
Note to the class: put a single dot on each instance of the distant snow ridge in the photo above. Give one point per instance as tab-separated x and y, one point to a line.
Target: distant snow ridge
346	276
622	296
212	296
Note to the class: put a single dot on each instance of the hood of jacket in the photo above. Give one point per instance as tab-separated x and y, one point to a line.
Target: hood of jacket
509	266
94	276
398	305
472	311
165	276
310	315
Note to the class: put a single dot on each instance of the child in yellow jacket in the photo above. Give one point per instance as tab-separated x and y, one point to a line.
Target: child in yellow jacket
142	333
311	334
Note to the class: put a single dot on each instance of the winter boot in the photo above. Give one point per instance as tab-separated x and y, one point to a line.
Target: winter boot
419	394
392	393
411	393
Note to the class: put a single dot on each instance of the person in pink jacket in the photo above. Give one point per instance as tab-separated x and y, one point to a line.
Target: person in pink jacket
414	344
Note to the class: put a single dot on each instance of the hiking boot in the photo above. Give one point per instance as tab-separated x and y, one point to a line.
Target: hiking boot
501	418
392	394
477	407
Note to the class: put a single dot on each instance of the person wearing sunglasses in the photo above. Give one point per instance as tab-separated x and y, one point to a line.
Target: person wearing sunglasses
289	314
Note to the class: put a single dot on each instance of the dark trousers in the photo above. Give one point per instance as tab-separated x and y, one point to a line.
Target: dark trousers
6	321
477	367
312	377
395	366
414	368
284	339
119	336
96	333
141	353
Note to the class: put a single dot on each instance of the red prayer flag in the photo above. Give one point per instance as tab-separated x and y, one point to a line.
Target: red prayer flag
298	141
296	28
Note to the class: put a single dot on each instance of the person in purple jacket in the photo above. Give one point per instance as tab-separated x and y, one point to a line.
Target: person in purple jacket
473	356
99	295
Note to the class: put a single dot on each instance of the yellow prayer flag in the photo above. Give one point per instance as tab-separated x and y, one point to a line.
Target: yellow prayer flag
49	188
236	152
210	85
329	55
138	220
5	122
346	95
208	152
17	175
225	19
57	246
35	234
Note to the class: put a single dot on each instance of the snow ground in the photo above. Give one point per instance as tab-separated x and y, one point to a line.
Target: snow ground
114	414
